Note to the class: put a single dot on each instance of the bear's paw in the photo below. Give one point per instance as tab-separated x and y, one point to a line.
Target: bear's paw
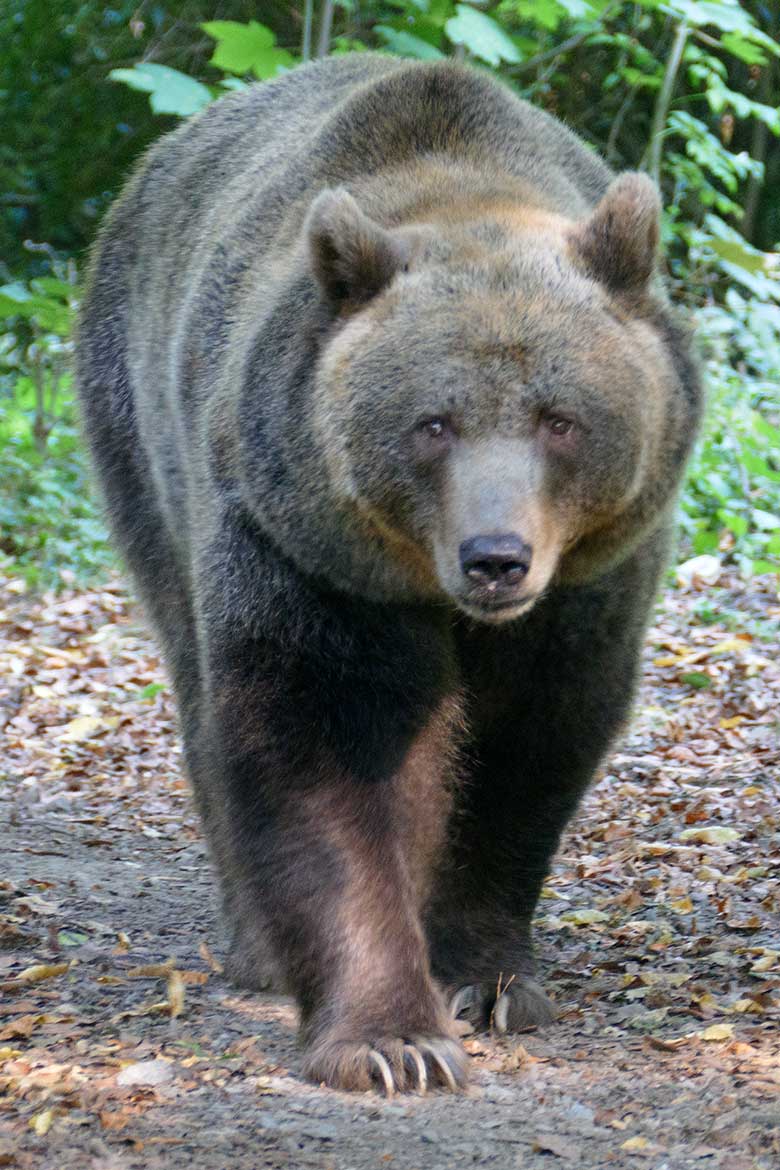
520	1004
390	1064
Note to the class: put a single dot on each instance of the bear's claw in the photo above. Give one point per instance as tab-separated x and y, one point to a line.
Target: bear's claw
383	1069
443	1067
413	1056
521	1004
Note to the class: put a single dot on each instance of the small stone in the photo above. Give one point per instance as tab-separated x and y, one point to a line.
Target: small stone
145	1072
498	1095
321	1130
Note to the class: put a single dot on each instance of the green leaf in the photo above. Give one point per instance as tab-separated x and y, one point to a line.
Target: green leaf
746	51
15	291
238	45
766	429
247	48
49	285
759	467
736	524
705	541
740	254
407	5
271	63
545	13
724	15
407	45
766	521
151	690
481	35
49	314
71	938
170	92
577	9
696	679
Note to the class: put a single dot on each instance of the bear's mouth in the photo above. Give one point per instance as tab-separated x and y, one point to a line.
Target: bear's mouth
498	611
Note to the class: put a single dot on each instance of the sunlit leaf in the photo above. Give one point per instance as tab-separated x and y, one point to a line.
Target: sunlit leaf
710	835
170	92
407	44
717	1032
246	48
481	35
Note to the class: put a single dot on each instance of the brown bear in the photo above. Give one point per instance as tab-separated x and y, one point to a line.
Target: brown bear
388	409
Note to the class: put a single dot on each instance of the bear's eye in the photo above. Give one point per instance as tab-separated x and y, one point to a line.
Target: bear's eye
433	436
558	425
435	428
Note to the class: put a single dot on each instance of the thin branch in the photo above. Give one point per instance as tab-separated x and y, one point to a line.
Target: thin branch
665	94
323	44
759	147
711	42
22	199
617	122
308	20
531	63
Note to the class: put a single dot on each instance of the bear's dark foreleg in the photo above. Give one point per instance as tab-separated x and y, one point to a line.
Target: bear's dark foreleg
329	757
547	696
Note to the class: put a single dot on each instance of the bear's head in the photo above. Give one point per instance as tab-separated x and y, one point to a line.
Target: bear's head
500	399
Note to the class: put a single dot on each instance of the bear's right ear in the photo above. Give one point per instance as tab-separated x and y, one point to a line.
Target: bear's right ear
352	256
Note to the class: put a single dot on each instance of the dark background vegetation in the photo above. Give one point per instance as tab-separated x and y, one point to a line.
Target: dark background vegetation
688	90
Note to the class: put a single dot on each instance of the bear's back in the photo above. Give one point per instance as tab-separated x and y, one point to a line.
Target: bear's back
247	168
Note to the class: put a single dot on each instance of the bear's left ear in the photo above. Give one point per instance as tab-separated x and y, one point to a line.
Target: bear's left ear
619	240
352	256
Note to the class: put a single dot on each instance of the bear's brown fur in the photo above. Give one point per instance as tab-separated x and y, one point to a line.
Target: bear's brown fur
389	410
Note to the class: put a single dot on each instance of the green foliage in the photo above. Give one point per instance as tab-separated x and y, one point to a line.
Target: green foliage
241	49
731	501
49	530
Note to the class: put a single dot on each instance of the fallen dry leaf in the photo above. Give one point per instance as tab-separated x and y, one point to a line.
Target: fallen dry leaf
717	1032
42	1122
151	971
175	994
206	955
632	1145
35	974
84	727
710	835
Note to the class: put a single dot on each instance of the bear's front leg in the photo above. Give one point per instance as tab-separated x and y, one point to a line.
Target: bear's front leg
371	1012
327	762
546	699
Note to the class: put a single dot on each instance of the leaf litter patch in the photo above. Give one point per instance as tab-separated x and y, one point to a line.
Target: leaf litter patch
658	930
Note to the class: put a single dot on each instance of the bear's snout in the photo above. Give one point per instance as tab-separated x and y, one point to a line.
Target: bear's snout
496	564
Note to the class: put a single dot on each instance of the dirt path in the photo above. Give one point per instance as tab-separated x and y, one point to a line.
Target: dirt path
122	1046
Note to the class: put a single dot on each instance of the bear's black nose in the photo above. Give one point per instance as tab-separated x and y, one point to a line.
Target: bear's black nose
495	562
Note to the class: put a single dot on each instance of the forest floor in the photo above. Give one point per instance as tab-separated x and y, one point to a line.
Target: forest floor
122	1047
